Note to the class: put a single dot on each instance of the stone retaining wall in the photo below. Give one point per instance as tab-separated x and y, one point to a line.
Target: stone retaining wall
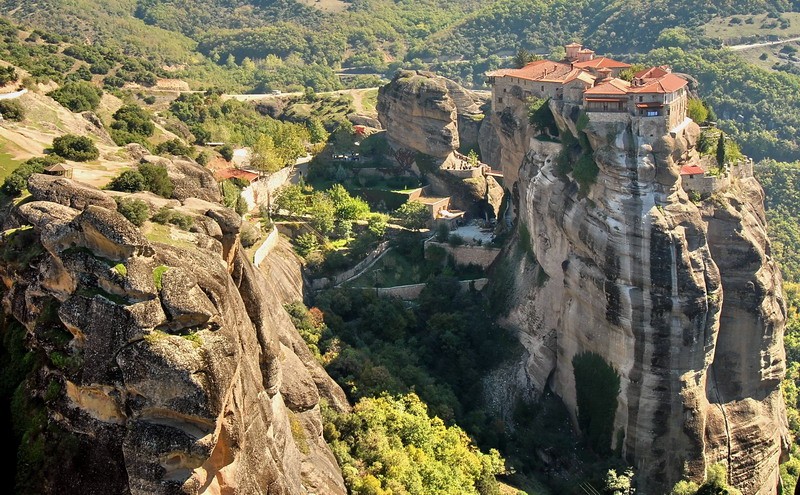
482	256
266	247
411	292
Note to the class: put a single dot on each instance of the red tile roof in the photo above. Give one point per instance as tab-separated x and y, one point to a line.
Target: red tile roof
611	87
652	72
601	62
692	170
230	173
573	45
535	71
668	83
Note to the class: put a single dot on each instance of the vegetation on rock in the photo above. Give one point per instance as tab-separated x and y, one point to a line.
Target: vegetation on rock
77	148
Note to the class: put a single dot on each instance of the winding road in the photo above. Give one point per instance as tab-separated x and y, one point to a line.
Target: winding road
739	48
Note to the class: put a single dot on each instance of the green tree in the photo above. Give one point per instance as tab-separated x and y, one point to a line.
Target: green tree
376	224
541	117
135	210
7	75
420	452
697	110
721	150
323	212
175	147
11	110
77	96
265	155
17	181
414	215
292	199
156	179
347	207
77	148
523	57
317	131
133	119
128	181
226	151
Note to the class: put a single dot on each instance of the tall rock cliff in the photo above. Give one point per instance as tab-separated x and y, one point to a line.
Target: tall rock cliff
157	367
678	299
428	118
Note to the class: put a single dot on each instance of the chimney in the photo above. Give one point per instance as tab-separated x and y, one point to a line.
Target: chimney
585	55
603	74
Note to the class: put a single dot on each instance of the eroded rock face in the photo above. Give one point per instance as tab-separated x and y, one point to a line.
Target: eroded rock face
427	113
183	372
681	299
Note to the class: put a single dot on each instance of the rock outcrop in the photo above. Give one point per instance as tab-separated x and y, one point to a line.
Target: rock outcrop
427	119
680	299
161	368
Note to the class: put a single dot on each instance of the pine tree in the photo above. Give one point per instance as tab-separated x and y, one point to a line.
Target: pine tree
721	149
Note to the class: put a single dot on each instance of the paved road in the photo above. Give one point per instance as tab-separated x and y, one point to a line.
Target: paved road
267	96
738	48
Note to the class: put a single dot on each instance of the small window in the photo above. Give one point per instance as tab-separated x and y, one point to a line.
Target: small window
641	98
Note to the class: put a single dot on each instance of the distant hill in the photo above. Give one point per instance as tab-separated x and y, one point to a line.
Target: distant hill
264	45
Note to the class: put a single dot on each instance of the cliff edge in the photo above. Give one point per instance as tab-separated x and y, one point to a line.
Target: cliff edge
657	319
159	366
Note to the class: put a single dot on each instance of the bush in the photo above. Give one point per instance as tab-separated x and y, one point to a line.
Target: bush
18	180
131	124
585	172
167	215
11	110
455	240
77	148
7	75
175	147
135	210
78	96
305	244
128	181
156	179
414	215
227	152
203	158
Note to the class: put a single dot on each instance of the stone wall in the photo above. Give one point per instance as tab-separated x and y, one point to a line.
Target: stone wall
327	282
482	256
411	292
259	192
266	247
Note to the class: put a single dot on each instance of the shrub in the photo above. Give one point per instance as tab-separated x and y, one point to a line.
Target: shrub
167	215
697	111
203	158
305	244
18	180
175	147
128	181
11	110
131	124
585	172
7	75
77	148
156	179
227	152
455	240
135	210
79	96
149	100
414	215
